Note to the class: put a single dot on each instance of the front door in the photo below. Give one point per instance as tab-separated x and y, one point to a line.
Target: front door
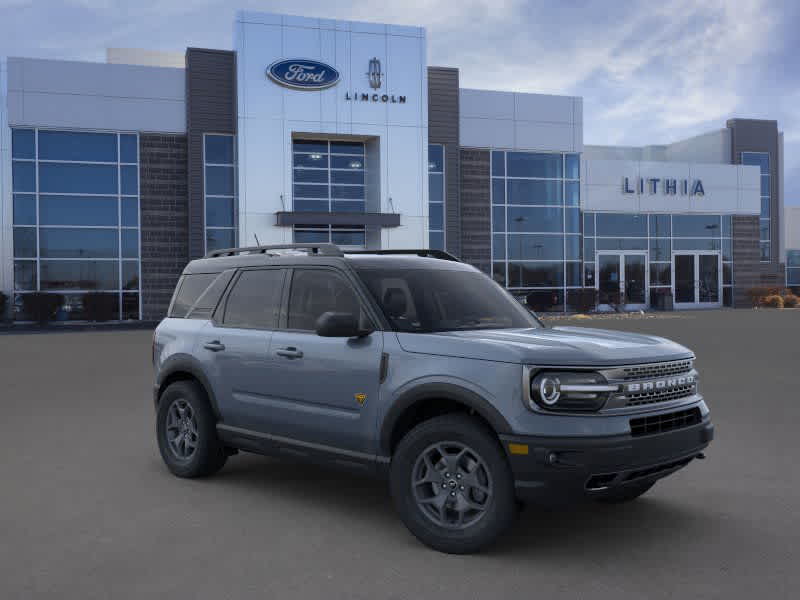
697	279
324	390
622	279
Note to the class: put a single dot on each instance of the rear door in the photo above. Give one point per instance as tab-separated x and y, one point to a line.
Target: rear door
324	390
234	346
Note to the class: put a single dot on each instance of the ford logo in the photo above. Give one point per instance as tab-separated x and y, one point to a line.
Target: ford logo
303	74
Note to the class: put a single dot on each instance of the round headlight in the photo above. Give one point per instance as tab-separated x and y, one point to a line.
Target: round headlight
549	389
570	390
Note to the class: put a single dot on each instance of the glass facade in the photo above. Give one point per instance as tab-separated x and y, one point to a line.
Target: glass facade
219	166
659	235
536	241
436	196
793	268
328	176
76	219
761	160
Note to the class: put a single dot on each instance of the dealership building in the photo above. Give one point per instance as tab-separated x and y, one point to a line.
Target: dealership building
113	175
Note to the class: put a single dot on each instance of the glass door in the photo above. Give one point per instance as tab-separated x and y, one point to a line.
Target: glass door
622	280
697	279
635	280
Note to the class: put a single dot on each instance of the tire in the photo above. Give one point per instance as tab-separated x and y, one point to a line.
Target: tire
456	512
624	494
183	411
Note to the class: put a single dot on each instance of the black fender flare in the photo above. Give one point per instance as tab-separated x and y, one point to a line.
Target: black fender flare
439	391
183	363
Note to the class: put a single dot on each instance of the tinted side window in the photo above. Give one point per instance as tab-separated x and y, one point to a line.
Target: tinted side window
207	302
316	291
254	301
189	289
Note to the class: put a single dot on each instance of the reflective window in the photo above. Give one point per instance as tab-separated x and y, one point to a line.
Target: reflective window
537	219
761	160
78	146
436	196
128	148
69	178
23	143
329	176
793	268
74	237
535	191
23	176
24	209
572	163
188	290
254	300
79	275
219	156
660	226
57	242
535	247
622	225
25	275
696	225
498	164
537	224
531	164
78	210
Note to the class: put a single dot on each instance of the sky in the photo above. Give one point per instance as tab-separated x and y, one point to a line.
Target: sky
649	72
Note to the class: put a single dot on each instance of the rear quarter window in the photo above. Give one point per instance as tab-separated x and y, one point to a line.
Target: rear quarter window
187	292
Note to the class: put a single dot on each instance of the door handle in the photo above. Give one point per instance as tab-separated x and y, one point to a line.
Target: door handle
215	346
290	352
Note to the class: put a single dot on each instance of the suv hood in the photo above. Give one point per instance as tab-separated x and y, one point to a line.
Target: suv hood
567	346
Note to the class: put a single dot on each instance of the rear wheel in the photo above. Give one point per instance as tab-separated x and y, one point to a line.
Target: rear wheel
451	484
624	494
186	431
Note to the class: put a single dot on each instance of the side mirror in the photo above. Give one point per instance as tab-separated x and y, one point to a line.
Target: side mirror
336	324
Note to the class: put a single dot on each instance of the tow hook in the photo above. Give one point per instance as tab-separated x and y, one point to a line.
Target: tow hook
700	456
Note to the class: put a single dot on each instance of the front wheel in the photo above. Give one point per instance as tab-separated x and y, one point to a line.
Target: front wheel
186	431
452	485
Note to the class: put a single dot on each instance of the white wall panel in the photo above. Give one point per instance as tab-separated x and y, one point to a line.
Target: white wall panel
540	135
54	93
535	121
6	205
486	133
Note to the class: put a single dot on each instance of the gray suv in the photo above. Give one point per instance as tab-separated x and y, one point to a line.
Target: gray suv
416	367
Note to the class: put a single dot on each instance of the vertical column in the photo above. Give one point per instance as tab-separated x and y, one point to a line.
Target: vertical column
476	216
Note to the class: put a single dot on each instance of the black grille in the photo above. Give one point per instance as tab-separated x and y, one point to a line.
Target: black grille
677	464
665	422
657	370
654	396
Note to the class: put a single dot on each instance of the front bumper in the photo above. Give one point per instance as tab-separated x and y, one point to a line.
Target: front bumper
561	469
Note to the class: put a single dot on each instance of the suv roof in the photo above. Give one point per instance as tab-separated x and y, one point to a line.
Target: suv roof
321	254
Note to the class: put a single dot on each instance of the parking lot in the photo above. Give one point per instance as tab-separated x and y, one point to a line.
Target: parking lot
87	510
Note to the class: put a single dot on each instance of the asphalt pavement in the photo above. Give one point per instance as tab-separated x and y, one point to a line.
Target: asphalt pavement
87	510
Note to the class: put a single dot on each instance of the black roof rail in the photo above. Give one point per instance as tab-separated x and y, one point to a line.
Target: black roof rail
425	253
312	249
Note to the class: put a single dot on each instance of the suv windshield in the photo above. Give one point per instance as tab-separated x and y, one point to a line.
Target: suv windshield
430	300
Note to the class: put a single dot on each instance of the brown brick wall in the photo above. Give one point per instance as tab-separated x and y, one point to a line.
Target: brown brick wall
165	223
476	207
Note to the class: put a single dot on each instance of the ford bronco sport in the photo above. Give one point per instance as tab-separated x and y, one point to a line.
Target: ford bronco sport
417	367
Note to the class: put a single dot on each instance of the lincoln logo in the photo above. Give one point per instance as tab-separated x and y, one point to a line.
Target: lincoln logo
374	74
659	385
301	74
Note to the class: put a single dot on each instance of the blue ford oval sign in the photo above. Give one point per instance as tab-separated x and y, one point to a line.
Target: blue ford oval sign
303	74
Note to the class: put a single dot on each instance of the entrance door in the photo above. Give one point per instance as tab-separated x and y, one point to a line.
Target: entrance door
622	279
697	279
